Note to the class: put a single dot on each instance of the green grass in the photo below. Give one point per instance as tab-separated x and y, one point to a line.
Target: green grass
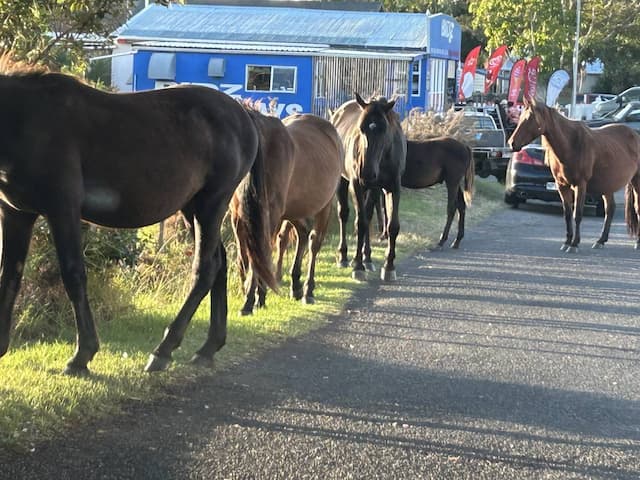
38	402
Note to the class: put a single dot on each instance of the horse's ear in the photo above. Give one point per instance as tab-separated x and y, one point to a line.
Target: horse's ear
360	101
526	102
389	106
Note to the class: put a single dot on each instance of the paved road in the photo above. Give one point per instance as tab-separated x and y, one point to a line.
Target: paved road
506	359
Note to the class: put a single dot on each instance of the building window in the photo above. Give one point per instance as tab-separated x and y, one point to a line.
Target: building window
271	79
415	78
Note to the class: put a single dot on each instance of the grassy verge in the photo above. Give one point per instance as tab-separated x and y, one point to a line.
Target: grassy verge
37	401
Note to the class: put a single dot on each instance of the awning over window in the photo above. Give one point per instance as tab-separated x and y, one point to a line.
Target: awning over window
216	67
162	66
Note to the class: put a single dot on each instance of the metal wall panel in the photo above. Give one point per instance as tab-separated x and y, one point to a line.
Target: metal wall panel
337	78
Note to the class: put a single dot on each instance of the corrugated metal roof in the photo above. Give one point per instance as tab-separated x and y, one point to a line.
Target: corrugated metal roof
209	23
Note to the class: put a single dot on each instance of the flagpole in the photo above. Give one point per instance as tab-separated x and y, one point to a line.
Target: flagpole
574	88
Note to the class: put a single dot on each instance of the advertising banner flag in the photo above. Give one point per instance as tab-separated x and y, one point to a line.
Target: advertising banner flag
468	74
517	75
531	78
494	64
557	81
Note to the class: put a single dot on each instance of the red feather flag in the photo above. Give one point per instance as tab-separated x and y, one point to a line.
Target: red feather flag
494	64
531	78
515	82
468	73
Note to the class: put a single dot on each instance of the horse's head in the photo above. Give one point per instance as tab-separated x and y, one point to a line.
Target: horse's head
374	136
530	126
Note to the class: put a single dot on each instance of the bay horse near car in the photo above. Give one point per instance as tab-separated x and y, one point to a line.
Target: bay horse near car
375	153
303	156
582	159
69	152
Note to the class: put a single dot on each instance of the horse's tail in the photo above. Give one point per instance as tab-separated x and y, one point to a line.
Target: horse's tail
469	177
252	221
630	214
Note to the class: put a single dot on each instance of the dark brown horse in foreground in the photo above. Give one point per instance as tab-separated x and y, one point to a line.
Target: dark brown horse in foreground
375	152
599	161
303	155
438	160
69	152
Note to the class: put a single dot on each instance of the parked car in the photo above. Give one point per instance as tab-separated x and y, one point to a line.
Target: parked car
529	178
628	115
609	106
585	105
489	144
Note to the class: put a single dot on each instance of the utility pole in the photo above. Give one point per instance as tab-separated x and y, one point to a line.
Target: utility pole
576	49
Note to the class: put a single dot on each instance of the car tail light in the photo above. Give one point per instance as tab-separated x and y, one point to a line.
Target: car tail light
523	157
498	154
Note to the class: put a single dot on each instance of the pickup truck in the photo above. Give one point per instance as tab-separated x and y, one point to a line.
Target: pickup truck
488	141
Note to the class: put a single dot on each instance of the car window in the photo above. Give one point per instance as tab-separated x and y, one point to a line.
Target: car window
634	116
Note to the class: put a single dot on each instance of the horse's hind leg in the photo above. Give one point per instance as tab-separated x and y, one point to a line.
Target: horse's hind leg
66	230
282	243
452	194
217	334
296	269
342	195
462	210
208	261
16	228
609	210
315	243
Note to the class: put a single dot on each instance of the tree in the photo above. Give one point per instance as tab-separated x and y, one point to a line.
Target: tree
610	31
53	32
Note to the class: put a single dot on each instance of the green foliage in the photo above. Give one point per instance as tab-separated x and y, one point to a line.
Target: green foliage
54	33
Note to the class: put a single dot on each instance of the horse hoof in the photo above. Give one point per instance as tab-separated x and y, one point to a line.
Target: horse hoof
387	275
369	267
635	247
359	275
74	371
564	247
201	361
343	263
296	294
455	245
572	250
598	245
157	364
308	300
246	311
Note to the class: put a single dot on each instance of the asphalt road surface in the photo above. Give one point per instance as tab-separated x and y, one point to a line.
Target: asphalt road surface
505	359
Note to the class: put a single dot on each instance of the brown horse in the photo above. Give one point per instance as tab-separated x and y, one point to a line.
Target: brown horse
445	160
303	166
599	161
70	152
375	152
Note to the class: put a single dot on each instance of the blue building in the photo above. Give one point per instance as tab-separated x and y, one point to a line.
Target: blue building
309	60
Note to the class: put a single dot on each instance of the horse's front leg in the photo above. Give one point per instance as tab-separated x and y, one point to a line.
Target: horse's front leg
566	196
372	198
66	231
580	194
16	228
342	195
362	228
392	202
609	210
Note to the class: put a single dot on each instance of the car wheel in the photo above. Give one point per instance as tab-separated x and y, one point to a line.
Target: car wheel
512	199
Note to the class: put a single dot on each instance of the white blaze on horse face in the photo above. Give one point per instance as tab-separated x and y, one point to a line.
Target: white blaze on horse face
372	126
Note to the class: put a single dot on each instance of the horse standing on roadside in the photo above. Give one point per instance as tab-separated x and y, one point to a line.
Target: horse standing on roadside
439	160
582	159
375	152
303	166
69	152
